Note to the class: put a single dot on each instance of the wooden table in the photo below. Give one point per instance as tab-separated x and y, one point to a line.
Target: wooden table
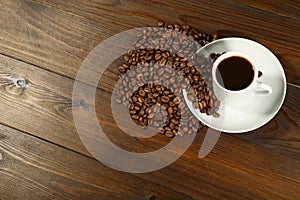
42	45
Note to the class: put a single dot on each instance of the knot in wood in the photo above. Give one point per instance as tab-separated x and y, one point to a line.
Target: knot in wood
22	83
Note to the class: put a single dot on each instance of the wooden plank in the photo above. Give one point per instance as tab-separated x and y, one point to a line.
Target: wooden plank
34	169
47	36
283	131
286	8
47	99
43	109
235	169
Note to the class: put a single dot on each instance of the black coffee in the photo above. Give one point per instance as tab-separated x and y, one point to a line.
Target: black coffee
235	73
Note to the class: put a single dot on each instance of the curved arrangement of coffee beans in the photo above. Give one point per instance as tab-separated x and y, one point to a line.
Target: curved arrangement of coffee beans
157	63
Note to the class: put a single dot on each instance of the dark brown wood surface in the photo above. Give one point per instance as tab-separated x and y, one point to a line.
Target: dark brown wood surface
43	43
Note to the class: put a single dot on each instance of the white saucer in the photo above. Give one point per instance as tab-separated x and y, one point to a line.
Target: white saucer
260	109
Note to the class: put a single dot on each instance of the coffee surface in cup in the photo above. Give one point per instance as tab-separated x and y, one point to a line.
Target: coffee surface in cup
235	73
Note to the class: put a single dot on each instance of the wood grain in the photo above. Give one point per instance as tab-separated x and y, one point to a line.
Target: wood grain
283	131
42	45
57	35
34	169
47	98
235	169
43	109
288	8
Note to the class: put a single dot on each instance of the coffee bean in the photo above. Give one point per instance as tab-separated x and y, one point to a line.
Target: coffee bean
209	112
126	58
166	93
119	101
122	69
141	119
162	62
191	98
206	97
215	37
210	103
142	101
157	56
135	117
165	106
172	126
160	24
132	112
216	115
194	129
162	131
204	103
148	57
137	108
170	109
139	104
174	121
176	100
142	93
187	27
165	99
166	35
201	106
169	134
217	103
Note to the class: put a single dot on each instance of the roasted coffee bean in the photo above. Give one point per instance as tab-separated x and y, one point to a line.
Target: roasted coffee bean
169	134
176	100
204	103
157	56
139	104
209	112
135	117
174	121
155	64
165	99
142	112
140	99
162	131
172	104
207	97
172	126
187	27
160	24
126	58
191	97
170	109
216	115
142	93
132	112
200	106
165	106
122	69
195	129
119	101
137	108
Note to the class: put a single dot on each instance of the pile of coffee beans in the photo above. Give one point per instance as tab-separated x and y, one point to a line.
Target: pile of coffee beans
161	54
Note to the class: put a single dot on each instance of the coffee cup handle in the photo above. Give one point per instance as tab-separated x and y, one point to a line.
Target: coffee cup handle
262	88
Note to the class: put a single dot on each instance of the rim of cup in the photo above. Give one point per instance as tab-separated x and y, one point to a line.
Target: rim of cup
234	54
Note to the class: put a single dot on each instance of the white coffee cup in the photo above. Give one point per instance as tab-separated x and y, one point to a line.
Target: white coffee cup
236	97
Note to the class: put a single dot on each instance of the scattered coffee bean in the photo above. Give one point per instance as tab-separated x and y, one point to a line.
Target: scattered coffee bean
157	63
160	24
